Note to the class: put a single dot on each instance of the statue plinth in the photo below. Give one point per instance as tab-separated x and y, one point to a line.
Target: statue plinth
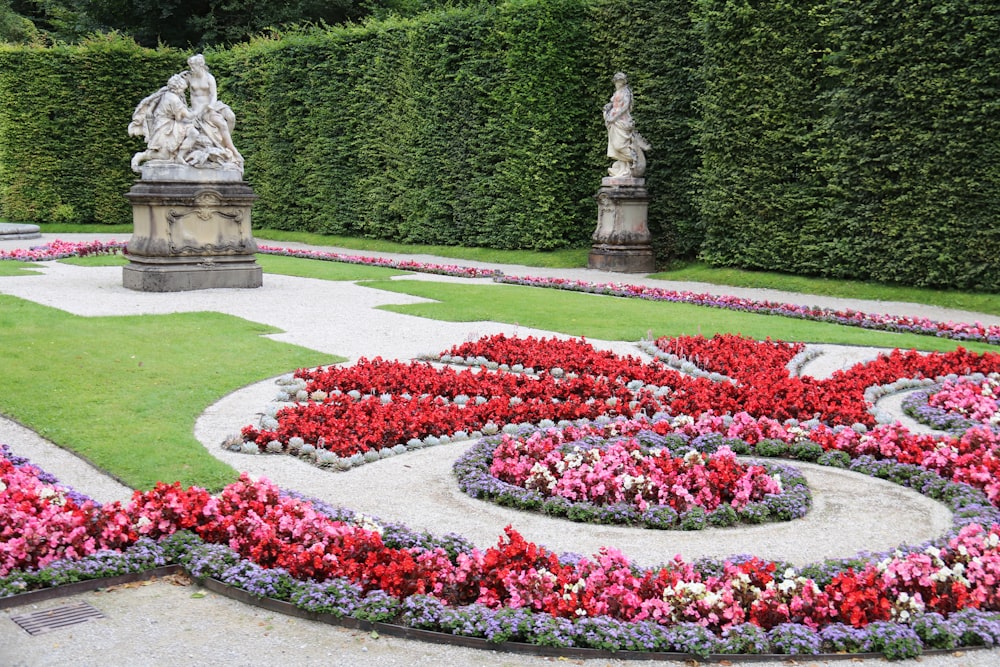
192	234
622	242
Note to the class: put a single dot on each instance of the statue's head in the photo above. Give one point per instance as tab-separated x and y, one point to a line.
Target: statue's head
619	79
177	83
197	61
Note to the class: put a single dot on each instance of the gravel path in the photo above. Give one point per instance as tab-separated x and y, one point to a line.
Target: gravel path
170	621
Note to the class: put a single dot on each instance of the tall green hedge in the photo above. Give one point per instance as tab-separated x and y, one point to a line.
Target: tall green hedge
760	198
912	152
468	126
846	138
63	119
853	138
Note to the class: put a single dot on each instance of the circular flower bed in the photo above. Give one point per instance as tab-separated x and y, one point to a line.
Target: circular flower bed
624	472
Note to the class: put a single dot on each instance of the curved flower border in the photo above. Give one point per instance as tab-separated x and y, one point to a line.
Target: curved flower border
918	405
962	331
342	597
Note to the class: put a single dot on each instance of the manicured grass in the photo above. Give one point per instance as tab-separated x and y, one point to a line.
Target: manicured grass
577	258
116	259
124	392
53	228
16	268
560	259
852	289
688	272
289	266
322	269
613	318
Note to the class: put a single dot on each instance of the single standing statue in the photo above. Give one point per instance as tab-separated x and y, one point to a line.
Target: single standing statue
625	146
199	135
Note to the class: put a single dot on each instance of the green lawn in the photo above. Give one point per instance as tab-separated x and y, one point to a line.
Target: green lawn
851	289
16	268
124	392
289	266
614	318
577	258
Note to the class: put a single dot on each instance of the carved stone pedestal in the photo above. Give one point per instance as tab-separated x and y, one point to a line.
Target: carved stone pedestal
622	242
191	235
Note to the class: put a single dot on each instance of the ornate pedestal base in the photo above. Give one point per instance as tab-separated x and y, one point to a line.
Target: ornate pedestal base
621	242
191	235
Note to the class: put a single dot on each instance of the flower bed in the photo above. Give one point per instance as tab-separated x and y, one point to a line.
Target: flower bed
62	249
958	404
623	472
975	331
351	415
937	595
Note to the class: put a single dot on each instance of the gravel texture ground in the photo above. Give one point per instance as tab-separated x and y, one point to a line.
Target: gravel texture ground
171	621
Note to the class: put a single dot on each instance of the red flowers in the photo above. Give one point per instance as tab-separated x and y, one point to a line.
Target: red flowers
376	404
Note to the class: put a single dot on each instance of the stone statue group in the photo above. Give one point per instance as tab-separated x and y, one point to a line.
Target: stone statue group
198	134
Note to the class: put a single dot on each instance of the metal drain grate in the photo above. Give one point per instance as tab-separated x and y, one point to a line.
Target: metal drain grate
40	622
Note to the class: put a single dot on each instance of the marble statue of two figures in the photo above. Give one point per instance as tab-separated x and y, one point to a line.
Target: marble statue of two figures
197	134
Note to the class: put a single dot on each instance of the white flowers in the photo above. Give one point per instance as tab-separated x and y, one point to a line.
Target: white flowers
368	523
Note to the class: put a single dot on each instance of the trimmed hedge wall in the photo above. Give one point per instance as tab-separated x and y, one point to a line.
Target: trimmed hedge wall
844	138
64	113
853	138
466	127
913	144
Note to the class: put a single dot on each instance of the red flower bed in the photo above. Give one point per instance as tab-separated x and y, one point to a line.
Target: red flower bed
422	396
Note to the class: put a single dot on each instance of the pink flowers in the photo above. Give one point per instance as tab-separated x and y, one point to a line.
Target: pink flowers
40	522
557	462
975	331
957	330
975	399
272	530
60	249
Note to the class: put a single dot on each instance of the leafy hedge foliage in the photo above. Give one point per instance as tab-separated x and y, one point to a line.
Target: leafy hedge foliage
853	138
465	127
846	138
64	111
